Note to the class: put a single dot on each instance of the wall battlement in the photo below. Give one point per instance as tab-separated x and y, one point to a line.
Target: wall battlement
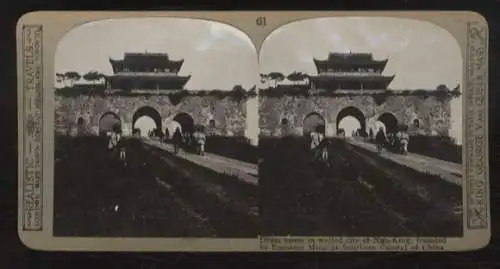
432	113
228	114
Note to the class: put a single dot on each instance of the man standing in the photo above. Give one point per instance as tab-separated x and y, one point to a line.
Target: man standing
380	139
200	139
403	138
177	139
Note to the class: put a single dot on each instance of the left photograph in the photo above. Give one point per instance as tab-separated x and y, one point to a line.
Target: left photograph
156	130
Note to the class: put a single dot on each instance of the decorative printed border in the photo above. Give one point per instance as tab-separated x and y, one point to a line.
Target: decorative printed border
476	134
32	109
476	196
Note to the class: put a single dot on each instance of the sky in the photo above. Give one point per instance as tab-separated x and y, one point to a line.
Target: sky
421	55
219	56
145	124
216	55
349	124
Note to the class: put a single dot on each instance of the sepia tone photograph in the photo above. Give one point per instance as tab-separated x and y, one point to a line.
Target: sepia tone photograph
360	124
156	130
212	131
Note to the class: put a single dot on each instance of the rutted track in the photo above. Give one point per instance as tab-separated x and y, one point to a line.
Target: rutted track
361	194
156	195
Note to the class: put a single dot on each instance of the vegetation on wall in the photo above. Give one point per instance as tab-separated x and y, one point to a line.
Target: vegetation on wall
305	90
97	86
301	86
237	93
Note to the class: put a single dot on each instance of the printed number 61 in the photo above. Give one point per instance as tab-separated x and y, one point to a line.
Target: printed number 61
260	21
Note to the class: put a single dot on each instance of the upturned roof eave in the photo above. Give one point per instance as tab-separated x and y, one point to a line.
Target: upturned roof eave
332	77
176	63
373	62
149	77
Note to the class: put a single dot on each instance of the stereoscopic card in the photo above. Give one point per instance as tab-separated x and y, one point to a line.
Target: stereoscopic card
253	131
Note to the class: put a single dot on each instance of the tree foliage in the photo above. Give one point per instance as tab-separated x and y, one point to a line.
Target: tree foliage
175	97
60	77
72	75
93	76
297	76
304	90
277	76
264	77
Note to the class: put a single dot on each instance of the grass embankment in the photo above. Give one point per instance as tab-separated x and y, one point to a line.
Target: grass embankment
440	147
238	148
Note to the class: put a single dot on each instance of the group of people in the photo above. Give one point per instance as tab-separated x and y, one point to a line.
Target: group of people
318	144
190	140
156	132
115	144
394	141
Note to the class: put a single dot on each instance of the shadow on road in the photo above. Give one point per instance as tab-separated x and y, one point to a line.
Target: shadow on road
151	197
361	194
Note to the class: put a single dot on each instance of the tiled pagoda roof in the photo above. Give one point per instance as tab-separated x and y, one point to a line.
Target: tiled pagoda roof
347	60
152	60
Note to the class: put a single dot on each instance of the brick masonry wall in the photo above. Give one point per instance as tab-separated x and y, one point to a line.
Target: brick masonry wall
433	114
229	114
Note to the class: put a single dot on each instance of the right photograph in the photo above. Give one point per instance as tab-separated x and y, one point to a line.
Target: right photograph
360	124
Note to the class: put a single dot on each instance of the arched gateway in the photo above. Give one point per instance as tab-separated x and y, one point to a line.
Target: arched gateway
148	112
107	121
141	83
311	121
355	83
390	122
186	122
353	112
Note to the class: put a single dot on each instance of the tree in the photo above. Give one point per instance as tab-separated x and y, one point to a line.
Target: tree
102	77
60	78
264	79
456	91
441	87
92	76
238	88
253	91
306	78
238	92
276	77
72	76
297	76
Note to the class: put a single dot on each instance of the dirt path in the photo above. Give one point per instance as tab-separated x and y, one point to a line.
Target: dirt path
359	195
95	197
